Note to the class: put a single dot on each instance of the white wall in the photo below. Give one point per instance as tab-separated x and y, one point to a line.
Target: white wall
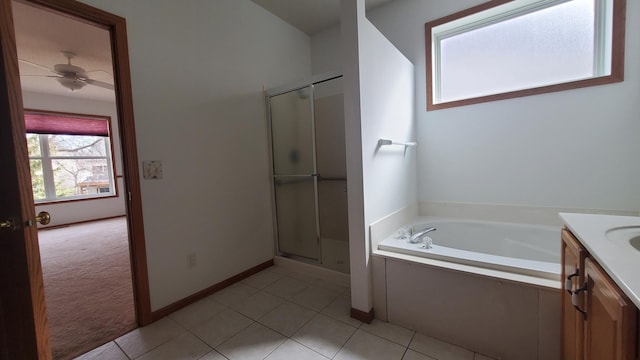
198	69
77	211
378	104
573	149
326	54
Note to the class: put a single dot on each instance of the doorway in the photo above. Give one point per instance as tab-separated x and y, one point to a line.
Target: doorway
22	312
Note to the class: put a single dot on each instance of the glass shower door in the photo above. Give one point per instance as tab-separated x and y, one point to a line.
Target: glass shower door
294	172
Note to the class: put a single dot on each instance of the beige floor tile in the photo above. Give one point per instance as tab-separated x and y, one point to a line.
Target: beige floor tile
197	313
287	318
184	347
263	279
365	346
253	343
291	350
439	349
221	327
257	305
395	333
286	287
142	340
108	351
213	355
234	294
340	309
481	357
324	335
414	355
314	298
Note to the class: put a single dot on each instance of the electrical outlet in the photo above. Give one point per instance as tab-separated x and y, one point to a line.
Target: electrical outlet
192	261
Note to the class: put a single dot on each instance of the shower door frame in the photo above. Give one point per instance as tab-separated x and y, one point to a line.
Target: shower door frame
308	83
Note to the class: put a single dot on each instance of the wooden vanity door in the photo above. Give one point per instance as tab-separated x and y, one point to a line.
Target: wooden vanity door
573	256
610	330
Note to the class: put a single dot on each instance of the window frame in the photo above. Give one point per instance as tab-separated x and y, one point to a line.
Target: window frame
44	156
617	59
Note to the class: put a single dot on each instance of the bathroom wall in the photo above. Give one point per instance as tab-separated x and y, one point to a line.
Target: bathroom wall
77	211
378	104
574	150
198	71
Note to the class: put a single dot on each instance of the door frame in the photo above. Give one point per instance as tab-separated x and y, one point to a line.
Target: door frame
124	102
117	28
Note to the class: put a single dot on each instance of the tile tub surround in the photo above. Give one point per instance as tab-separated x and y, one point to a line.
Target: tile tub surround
250	320
459	307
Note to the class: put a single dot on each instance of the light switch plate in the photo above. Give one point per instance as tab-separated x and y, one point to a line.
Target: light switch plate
152	169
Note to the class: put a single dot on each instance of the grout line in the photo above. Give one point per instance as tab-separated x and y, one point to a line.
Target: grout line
121	349
299	343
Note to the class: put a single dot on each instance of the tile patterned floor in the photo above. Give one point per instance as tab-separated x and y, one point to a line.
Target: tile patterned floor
276	314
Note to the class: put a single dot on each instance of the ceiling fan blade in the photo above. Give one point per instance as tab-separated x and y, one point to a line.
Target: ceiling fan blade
36	65
52	76
99	84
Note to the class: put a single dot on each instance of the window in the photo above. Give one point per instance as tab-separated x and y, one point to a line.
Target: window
70	156
501	50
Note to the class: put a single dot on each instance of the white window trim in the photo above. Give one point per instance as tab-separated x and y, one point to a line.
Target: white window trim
47	171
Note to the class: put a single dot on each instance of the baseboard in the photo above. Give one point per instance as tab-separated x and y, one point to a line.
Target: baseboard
171	308
365	317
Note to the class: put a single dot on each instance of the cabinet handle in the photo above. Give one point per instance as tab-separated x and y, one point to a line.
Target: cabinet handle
574	300
568	284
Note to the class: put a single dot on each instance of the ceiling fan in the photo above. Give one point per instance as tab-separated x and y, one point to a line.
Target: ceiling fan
70	76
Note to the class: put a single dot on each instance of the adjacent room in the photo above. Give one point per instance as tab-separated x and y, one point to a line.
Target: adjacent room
375	179
76	172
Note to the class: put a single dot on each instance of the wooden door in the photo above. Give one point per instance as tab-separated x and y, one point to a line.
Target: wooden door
610	331
23	319
573	256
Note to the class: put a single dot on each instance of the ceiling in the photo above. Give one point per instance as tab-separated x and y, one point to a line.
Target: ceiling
310	16
42	35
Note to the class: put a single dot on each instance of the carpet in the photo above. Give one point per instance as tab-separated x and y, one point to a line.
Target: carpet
88	286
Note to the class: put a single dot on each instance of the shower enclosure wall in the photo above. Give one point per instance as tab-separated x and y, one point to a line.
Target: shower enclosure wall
309	172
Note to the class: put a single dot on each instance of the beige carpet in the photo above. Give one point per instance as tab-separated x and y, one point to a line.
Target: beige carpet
88	288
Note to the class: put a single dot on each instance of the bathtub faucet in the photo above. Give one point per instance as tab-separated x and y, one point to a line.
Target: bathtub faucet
417	237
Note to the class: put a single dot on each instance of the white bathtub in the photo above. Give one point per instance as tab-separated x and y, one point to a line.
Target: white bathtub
515	248
478	275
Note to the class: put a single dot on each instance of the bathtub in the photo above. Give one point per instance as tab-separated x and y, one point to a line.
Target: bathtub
477	275
515	248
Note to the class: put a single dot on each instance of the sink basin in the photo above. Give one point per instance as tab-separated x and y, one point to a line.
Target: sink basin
626	235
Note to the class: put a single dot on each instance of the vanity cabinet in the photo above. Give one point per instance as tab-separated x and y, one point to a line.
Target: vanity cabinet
573	256
599	322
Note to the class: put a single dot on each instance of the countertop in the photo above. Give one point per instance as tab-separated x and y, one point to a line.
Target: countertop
619	260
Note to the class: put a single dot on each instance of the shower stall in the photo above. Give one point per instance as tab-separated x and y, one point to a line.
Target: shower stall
306	123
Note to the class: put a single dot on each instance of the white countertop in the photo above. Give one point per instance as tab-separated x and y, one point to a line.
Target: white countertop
617	258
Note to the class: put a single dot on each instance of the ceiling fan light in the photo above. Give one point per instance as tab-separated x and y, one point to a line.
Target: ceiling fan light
71	84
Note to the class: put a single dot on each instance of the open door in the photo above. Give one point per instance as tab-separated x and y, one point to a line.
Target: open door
23	317
23	320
